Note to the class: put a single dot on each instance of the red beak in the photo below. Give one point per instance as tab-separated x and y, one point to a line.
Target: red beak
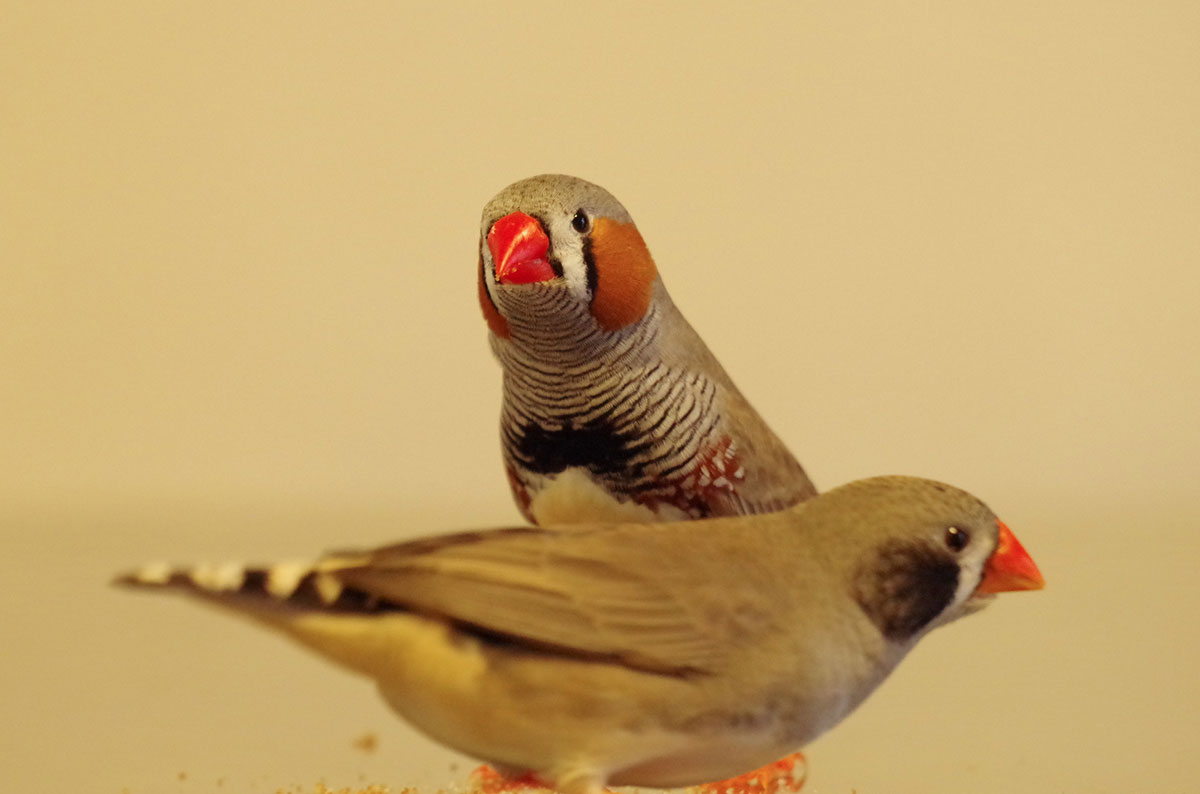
1010	567
519	246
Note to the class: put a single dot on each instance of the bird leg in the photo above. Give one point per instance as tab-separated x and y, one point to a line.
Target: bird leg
489	779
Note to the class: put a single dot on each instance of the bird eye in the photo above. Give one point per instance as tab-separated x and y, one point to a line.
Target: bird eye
581	222
956	538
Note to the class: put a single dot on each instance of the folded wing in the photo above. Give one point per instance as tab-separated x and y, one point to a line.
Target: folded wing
556	590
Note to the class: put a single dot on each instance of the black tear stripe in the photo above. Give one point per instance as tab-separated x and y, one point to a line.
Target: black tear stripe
589	262
905	586
555	264
483	280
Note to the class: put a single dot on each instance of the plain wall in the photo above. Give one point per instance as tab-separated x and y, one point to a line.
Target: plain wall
238	318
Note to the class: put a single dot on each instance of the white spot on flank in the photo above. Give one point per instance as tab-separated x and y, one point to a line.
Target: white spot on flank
283	577
154	573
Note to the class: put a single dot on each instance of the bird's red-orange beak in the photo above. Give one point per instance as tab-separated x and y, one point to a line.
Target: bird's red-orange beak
519	246
1010	567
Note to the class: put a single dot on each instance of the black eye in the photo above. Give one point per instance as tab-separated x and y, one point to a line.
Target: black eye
581	222
957	539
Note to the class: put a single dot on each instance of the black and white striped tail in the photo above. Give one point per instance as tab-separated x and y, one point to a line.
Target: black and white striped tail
303	586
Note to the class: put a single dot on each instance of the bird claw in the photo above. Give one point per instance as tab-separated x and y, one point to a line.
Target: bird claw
775	778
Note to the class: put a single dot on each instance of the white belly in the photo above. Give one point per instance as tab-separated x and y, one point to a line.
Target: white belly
573	497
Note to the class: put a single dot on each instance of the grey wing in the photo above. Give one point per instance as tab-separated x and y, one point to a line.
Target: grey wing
774	478
572	592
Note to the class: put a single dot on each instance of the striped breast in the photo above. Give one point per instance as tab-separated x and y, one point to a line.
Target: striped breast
581	399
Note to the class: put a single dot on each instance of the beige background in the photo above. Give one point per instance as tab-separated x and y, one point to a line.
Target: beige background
238	319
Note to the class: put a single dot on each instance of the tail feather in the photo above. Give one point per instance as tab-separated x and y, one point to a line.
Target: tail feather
303	586
305	601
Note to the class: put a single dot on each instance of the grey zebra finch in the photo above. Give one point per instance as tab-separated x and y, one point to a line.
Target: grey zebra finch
580	657
613	406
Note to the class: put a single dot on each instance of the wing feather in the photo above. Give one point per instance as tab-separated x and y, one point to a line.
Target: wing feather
577	592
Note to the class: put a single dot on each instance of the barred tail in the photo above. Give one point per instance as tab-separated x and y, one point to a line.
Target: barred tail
304	586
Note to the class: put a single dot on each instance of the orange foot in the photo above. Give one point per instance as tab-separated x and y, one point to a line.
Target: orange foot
773	778
486	780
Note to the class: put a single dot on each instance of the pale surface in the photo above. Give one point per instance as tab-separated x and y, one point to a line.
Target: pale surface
238	319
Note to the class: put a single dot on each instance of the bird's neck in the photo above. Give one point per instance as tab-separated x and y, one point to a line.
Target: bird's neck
554	336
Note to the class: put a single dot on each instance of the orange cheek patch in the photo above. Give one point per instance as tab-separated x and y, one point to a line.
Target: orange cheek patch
494	319
625	274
